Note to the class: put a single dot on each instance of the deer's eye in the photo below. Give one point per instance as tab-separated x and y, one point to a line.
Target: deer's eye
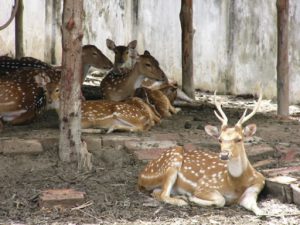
238	140
220	140
148	64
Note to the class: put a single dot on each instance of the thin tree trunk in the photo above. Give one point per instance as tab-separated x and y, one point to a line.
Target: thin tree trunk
186	20
19	31
282	57
48	30
70	100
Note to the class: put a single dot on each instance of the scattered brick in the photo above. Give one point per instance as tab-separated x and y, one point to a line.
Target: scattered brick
149	154
288	153
281	171
20	146
280	187
263	163
134	145
60	198
93	143
166	136
116	140
296	193
258	152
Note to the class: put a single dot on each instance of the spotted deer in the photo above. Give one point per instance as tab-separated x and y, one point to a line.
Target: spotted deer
22	94
92	56
22	100
121	86
8	64
131	115
158	100
207	178
125	56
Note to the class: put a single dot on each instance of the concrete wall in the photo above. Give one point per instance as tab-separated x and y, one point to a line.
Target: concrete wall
235	43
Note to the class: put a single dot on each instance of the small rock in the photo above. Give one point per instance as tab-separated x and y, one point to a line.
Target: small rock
187	125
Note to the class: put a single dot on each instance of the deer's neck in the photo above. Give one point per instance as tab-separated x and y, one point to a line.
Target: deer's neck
237	166
135	78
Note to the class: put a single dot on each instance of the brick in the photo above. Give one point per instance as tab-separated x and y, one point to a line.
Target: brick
149	154
93	131
263	163
116	140
166	137
93	143
296	193
20	146
280	187
281	171
60	198
258	152
288	153
134	145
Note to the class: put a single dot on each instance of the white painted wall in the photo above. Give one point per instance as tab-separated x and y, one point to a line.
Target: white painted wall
235	43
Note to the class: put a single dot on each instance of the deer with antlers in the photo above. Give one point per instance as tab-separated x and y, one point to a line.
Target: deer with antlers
206	178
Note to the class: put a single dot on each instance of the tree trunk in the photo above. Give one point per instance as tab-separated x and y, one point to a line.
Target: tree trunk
282	57
48	30
70	97
19	31
186	20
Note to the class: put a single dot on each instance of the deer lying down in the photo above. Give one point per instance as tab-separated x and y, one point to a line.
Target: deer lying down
158	100
132	115
208	179
22	100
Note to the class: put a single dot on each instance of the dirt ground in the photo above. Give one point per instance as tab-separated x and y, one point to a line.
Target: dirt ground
112	196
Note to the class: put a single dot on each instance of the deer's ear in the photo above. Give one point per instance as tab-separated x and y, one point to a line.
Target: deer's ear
41	80
146	52
132	44
212	131
110	44
249	130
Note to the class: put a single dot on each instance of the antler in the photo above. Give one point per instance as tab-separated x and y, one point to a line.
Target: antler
222	117
244	118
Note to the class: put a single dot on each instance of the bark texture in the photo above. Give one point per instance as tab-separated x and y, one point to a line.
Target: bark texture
186	20
282	57
70	98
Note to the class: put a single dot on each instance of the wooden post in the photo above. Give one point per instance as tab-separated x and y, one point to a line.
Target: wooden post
70	95
19	51
282	57
186	20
